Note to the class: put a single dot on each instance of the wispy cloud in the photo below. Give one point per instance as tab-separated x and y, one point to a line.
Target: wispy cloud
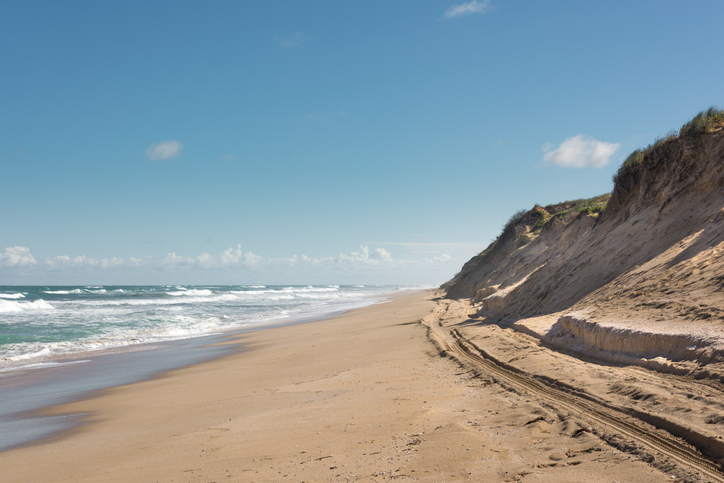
64	261
163	150
431	247
468	8
226	157
315	116
579	151
233	258
294	41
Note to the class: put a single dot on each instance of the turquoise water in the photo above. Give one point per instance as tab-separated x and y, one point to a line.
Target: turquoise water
39	323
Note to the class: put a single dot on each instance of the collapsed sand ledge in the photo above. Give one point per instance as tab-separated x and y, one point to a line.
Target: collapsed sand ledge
579	333
685	349
682	354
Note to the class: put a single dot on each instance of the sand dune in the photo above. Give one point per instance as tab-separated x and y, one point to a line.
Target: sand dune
640	281
614	290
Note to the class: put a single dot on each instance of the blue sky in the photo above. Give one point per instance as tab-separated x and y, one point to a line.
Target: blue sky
320	141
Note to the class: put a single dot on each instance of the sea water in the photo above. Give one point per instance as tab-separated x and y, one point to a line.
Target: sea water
38	324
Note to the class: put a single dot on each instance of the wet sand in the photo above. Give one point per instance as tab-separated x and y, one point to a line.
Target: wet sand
25	391
363	396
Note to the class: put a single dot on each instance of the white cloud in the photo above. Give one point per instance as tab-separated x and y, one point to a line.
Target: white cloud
115	262
16	257
381	255
132	262
295	40
231	255
229	258
163	150
205	259
444	258
226	157
64	261
251	259
173	260
579	151
468	8
365	256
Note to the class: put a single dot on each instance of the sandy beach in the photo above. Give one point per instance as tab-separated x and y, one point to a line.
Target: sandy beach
473	240
365	396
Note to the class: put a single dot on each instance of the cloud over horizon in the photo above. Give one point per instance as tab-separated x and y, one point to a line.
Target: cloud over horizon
579	151
163	150
364	266
468	8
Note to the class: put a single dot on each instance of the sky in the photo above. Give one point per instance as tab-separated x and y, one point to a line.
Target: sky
320	142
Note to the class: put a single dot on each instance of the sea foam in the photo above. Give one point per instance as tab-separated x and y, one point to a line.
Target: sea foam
39	324
10	306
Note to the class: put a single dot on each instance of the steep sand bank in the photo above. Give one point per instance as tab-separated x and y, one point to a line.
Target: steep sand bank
638	282
364	396
617	301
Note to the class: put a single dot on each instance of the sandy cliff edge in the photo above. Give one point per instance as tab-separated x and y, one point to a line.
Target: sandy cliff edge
639	281
625	289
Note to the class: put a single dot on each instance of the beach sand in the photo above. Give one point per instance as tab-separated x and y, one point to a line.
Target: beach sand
364	396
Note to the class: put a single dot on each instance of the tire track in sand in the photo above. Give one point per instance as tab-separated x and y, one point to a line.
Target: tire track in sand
601	414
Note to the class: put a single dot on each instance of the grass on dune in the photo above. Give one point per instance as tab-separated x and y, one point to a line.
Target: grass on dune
704	122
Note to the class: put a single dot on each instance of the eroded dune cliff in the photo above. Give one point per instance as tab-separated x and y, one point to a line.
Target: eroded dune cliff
637	275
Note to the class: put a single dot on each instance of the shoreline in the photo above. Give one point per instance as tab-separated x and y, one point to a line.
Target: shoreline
364	396
286	313
26	392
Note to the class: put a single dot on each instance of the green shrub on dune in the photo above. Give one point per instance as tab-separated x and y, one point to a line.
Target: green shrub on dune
704	122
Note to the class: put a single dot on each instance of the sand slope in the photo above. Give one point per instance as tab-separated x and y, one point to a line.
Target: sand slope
625	308
641	283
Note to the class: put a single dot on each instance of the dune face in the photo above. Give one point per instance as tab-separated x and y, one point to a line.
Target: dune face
641	281
612	308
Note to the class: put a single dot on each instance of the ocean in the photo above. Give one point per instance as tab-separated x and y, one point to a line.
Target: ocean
38	324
